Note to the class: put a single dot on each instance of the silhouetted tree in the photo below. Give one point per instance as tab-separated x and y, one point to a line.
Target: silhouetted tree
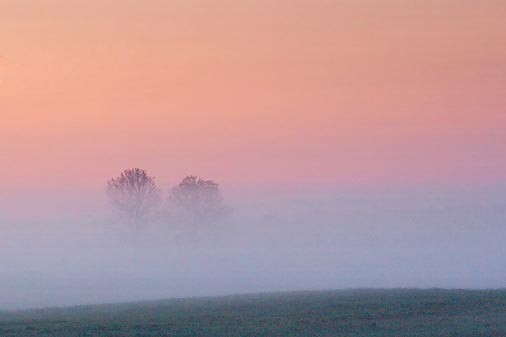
199	200
134	194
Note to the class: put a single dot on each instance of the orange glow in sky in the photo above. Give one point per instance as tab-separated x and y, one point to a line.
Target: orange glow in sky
267	93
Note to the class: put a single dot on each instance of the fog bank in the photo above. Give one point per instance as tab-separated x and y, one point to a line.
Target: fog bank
426	238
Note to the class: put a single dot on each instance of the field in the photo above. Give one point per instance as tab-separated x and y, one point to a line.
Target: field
347	313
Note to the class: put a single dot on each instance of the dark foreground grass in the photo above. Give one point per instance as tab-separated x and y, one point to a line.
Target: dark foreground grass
346	313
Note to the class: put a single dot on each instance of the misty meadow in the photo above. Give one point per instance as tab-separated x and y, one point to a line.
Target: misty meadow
252	168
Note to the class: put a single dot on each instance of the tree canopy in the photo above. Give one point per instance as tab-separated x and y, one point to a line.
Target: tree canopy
134	194
199	200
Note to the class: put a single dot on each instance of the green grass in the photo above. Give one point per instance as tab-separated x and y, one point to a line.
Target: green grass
347	313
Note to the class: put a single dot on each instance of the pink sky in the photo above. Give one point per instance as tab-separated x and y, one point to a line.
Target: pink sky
252	93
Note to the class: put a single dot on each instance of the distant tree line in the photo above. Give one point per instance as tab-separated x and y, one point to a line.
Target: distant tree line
136	197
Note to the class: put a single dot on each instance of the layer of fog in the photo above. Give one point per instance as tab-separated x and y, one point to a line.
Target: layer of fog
313	241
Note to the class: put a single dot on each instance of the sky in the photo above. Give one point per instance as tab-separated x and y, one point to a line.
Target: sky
391	113
252	93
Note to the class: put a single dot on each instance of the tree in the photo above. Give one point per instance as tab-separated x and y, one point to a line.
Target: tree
134	194
199	200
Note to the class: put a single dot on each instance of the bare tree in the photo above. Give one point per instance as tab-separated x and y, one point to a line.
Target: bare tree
199	200
134	194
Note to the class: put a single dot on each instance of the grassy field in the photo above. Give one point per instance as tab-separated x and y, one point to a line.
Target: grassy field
346	313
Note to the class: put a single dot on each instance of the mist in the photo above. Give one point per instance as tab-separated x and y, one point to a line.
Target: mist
431	237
